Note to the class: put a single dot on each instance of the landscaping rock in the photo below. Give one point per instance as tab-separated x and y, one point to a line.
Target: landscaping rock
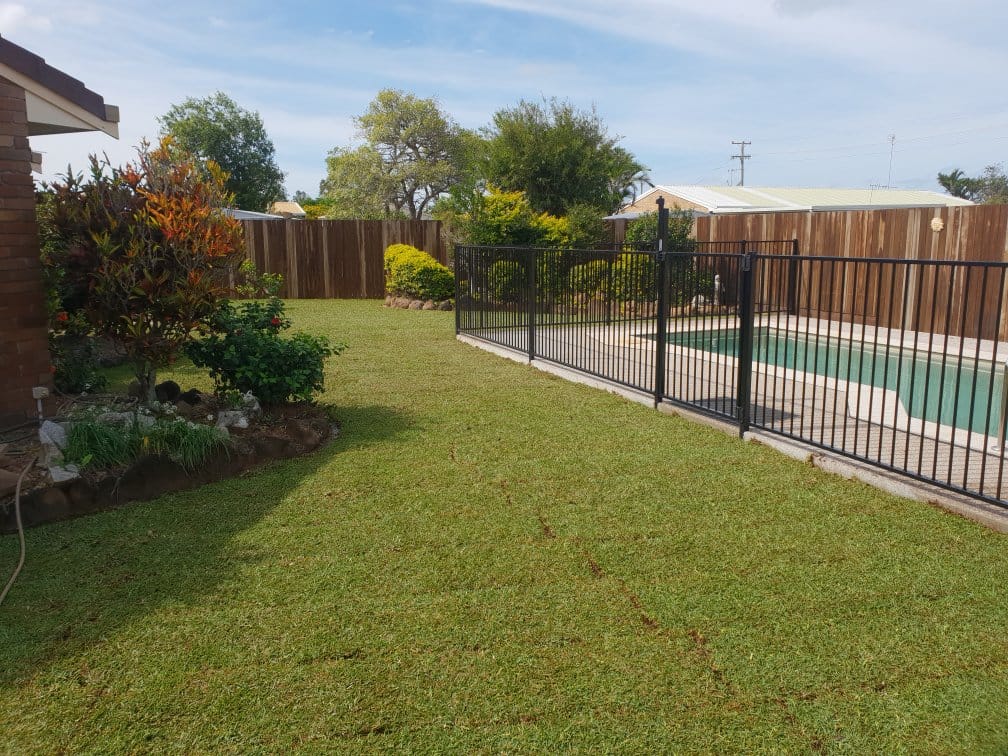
8	483
60	474
168	391
53	437
150	477
45	506
388	300
429	304
192	396
416	304
250	405
184	409
308	433
81	496
232	419
445	305
126	418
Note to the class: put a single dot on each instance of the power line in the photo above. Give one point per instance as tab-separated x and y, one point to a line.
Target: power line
741	157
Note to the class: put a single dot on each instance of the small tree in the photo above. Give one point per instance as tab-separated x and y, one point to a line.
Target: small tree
642	232
216	128
412	153
143	249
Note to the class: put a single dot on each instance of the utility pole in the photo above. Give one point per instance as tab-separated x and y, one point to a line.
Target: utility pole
741	157
892	149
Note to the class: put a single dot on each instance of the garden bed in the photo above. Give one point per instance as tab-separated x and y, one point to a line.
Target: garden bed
283	432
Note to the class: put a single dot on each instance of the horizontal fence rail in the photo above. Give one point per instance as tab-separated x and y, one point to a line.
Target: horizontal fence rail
897	363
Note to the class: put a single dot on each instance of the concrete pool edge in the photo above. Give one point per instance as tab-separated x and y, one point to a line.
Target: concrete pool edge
983	513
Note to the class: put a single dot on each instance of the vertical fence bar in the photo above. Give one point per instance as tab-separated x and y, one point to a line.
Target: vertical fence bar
746	322
792	287
458	289
661	279
530	286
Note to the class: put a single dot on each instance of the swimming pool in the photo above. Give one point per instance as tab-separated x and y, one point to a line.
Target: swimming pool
960	392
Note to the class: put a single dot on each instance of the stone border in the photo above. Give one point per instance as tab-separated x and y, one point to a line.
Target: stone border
150	477
405	303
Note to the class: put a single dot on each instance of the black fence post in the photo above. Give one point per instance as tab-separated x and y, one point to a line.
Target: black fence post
792	286
746	317
661	280
458	288
530	290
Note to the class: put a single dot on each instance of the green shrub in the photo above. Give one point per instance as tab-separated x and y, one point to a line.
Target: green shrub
642	232
410	272
589	278
245	352
633	278
75	365
251	284
103	441
393	253
506	280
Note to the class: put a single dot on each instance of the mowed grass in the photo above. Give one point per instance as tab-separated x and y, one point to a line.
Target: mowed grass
493	559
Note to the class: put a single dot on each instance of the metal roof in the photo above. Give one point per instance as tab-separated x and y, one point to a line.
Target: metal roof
748	199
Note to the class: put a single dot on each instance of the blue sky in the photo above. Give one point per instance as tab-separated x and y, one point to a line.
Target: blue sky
817	86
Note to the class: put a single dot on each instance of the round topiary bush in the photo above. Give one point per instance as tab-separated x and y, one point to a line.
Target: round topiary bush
410	272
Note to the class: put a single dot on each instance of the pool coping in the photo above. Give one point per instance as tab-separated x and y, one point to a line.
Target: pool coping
983	513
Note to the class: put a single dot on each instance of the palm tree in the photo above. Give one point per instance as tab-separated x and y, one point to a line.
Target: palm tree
627	178
958	184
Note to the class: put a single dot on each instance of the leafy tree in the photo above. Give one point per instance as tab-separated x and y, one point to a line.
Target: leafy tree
356	184
994	185
142	250
990	187
642	231
560	157
216	128
412	154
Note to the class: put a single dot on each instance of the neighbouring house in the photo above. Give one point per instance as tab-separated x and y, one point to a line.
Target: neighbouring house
716	200
250	214
708	201
288	210
35	99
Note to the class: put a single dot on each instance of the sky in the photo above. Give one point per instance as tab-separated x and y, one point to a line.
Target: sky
816	86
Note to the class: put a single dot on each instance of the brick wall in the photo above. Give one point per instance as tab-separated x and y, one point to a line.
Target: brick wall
24	350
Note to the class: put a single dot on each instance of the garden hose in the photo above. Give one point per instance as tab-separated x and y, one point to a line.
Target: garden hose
20	530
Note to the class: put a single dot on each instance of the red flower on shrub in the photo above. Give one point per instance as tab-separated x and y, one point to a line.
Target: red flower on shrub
52	369
62	317
274	321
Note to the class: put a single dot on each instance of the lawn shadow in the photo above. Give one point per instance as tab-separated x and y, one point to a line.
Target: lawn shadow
86	578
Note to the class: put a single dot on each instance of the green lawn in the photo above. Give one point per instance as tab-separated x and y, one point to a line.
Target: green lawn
493	559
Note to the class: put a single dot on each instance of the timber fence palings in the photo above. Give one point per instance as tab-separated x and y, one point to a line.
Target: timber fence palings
897	363
334	259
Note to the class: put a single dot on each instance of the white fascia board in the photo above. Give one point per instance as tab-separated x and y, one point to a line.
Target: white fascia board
50	113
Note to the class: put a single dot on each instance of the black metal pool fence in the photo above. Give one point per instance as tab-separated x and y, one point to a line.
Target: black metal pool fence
898	363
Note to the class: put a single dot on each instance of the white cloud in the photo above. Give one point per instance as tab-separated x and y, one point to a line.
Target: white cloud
14	17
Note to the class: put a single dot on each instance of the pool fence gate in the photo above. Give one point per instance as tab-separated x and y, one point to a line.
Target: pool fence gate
894	362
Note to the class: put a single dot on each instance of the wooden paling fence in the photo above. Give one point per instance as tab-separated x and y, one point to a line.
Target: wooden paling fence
935	298
334	259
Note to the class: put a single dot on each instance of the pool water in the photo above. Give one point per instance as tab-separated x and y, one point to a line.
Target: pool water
963	393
